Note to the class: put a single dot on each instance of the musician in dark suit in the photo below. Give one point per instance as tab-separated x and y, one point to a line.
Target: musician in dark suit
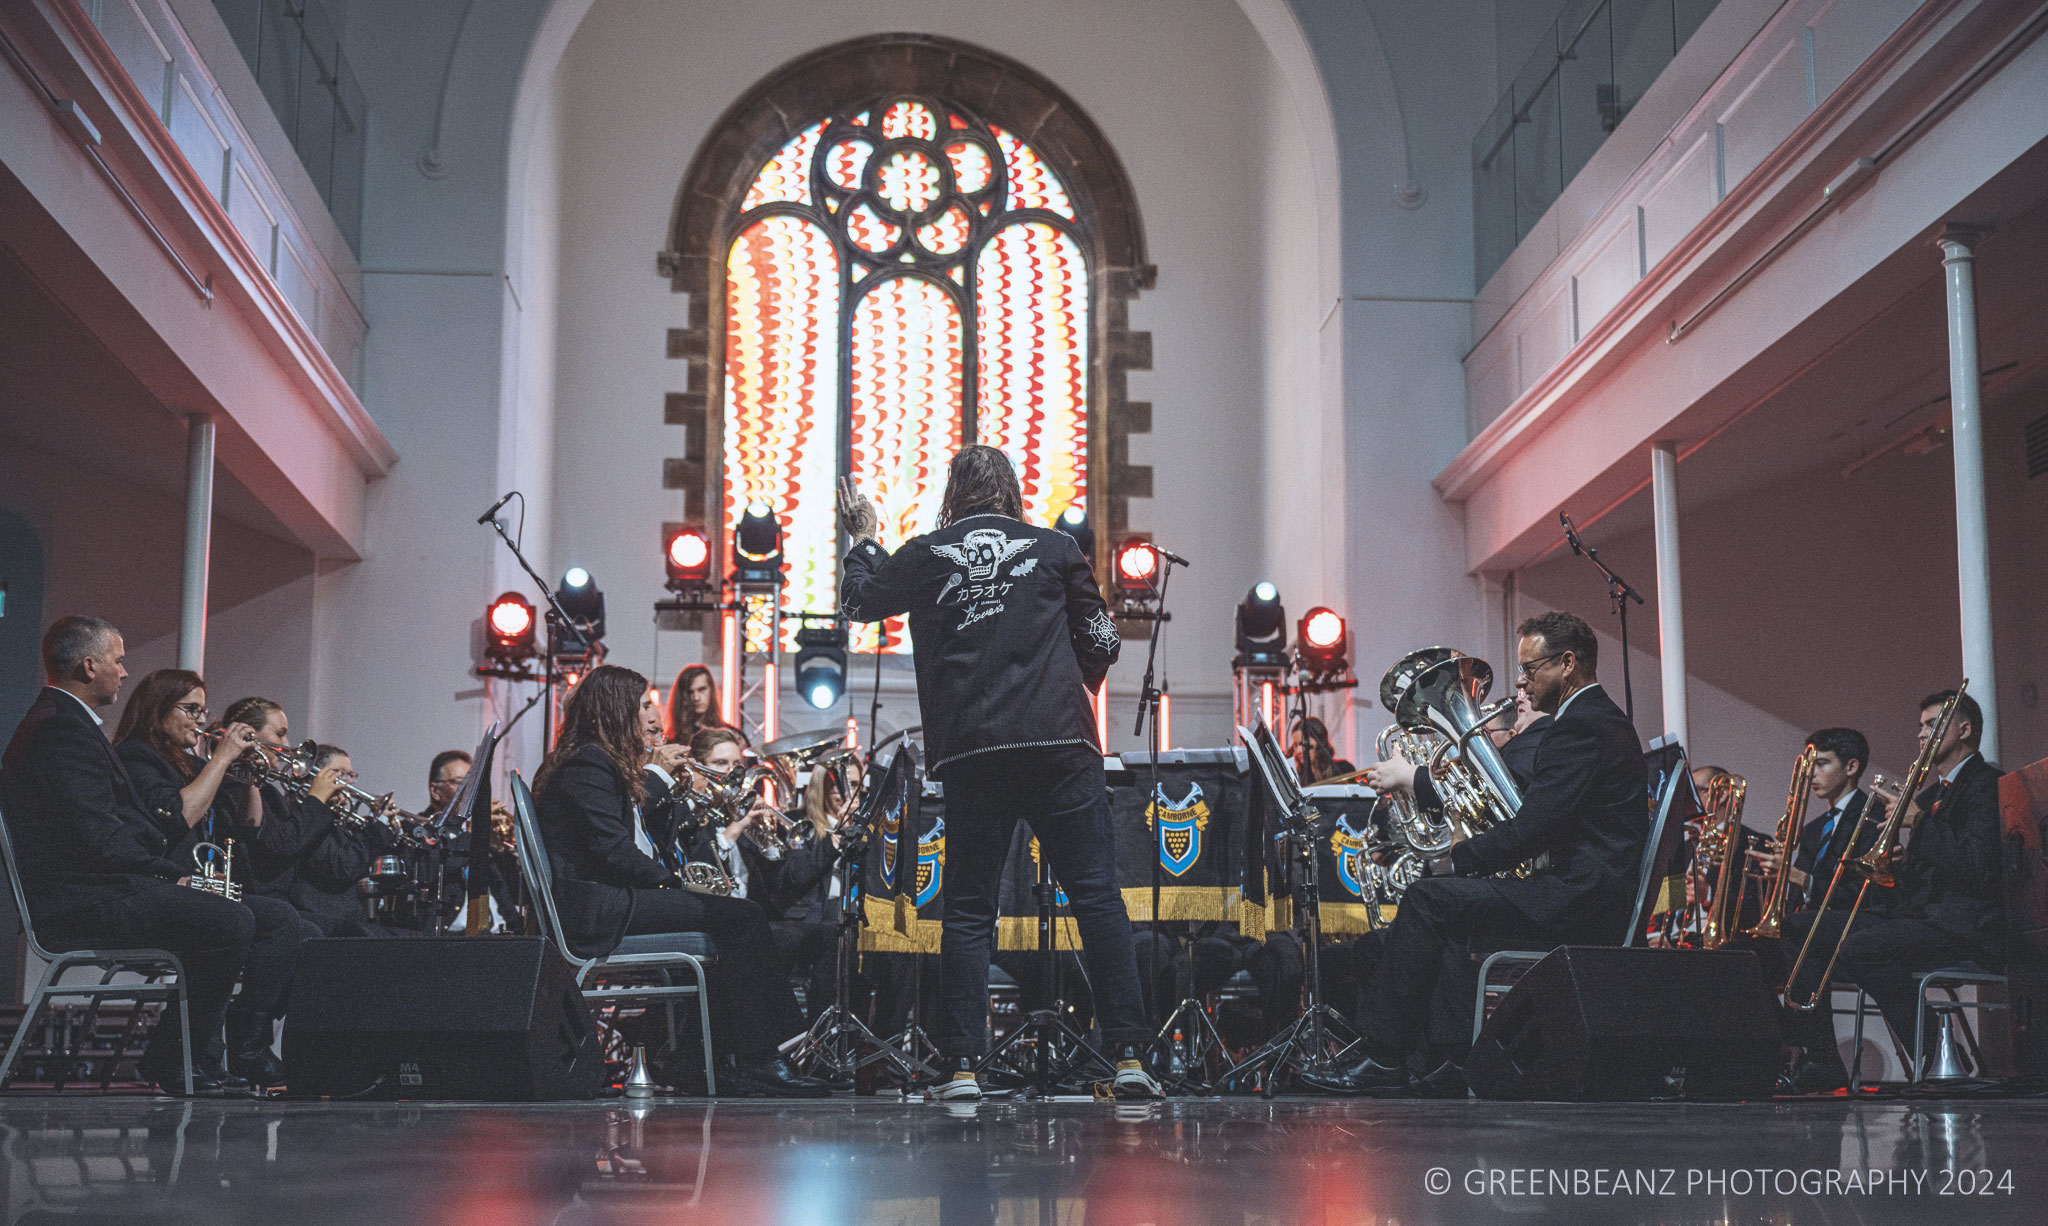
609	881
275	826
1840	755
1584	807
92	861
157	740
1947	908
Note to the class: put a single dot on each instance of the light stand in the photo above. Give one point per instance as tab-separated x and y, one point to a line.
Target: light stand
1304	1046
1618	591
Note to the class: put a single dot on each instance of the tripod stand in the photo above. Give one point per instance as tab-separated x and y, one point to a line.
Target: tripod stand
1059	1054
1305	1045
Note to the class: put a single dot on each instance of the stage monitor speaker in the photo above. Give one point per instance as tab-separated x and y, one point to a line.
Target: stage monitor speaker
1603	1024
486	1018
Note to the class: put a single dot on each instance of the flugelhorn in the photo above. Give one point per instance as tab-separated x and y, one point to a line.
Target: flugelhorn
1874	865
1771	924
215	875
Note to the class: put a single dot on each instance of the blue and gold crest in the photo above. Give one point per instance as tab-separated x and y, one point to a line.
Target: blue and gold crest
1347	848
1180	828
931	863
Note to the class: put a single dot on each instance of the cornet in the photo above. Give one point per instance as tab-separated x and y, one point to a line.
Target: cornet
215	875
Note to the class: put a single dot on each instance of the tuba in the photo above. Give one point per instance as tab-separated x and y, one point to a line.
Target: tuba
1874	865
1721	860
1770	925
1448	698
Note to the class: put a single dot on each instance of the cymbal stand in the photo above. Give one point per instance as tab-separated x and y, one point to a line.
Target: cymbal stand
1304	1046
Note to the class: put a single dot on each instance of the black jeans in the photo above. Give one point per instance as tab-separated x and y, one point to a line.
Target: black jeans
256	940
752	1007
1884	955
1060	791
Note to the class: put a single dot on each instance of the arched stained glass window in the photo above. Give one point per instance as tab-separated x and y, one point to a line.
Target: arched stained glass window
903	278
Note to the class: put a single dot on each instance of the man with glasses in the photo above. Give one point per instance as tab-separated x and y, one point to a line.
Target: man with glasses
1582	807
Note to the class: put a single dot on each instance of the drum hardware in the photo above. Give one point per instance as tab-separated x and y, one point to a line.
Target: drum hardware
215	874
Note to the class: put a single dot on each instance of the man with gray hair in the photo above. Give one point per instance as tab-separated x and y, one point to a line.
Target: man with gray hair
92	863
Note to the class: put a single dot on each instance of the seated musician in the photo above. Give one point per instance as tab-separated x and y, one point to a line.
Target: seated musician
1947	908
92	861
327	875
692	705
1840	755
609	880
1315	759
1583	807
158	740
275	824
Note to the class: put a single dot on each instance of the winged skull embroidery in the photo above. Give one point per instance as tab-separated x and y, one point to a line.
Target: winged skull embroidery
983	553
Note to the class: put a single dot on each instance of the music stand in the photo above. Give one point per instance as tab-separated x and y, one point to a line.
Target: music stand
1304	1046
835	1041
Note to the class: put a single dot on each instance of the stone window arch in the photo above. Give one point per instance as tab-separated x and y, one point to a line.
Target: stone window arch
893	246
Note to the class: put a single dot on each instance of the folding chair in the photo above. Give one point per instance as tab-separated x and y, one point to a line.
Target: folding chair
655	953
152	964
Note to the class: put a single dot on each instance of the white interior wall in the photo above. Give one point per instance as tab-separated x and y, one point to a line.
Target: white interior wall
1184	92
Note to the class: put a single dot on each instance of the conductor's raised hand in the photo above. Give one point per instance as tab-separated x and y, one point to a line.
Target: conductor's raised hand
856	512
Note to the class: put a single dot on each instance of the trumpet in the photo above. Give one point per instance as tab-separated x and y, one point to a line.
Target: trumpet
1874	865
216	874
1770	925
263	763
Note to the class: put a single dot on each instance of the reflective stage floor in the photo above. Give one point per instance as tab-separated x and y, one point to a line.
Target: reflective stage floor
1189	1161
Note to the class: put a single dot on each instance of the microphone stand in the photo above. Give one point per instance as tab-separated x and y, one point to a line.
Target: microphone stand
556	616
1148	706
1618	591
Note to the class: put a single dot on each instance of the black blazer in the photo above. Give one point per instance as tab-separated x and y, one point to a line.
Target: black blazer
1952	878
81	835
1817	858
159	784
267	856
586	820
1587	805
1011	632
1519	754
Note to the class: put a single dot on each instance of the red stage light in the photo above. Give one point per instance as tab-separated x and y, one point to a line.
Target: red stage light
1137	563
509	623
687	554
1322	642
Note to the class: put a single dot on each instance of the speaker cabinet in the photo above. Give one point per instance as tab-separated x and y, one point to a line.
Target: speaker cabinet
485	1018
1603	1024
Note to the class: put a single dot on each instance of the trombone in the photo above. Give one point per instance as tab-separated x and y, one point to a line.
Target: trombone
1874	865
1770	925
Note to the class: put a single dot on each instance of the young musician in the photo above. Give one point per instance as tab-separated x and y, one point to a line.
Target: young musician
276	826
92	861
1583	806
1315	759
157	741
1947	908
692	705
1840	755
1012	634
610	883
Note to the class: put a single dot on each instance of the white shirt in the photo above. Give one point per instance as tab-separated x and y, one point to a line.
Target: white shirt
1566	704
640	838
735	863
96	720
1951	776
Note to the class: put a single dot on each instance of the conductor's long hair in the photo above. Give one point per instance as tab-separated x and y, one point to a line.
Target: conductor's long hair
980	481
603	710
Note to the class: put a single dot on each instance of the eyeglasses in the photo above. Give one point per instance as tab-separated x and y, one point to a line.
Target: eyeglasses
197	711
1538	662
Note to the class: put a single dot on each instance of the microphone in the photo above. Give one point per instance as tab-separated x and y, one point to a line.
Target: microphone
495	507
1172	557
1571	534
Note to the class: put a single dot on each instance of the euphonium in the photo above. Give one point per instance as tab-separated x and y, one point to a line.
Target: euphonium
1426	833
1874	865
1447	697
1770	925
1723	908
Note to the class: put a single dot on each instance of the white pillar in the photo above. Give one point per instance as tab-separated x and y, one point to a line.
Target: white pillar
1670	597
198	544
1973	529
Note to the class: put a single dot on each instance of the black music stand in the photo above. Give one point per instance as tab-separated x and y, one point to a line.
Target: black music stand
1304	1046
838	1043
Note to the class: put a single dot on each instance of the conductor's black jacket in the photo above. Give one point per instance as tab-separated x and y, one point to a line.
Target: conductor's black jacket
1007	626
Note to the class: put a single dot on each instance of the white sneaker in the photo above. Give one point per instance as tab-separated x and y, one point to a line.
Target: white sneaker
1133	1082
962	1088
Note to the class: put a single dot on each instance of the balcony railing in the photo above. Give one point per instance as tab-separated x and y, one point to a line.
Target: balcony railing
1584	76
